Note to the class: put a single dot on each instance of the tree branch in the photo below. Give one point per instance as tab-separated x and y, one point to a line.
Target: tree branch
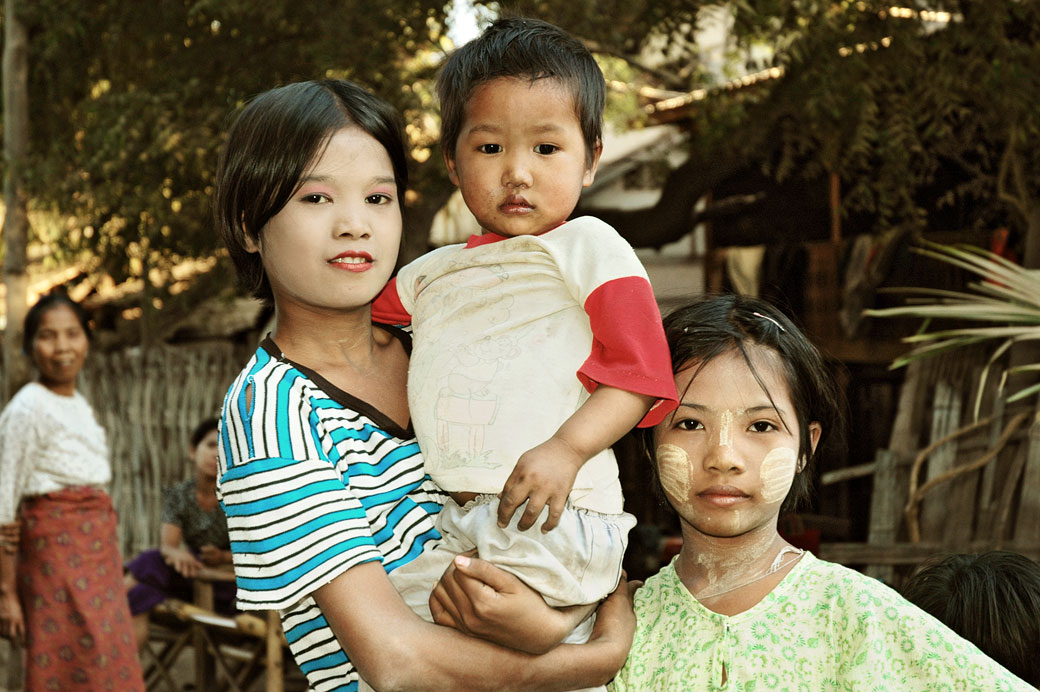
1008	160
667	78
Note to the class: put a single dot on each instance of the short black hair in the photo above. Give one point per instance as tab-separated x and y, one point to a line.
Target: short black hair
273	141
204	428
54	298
715	325
528	49
991	599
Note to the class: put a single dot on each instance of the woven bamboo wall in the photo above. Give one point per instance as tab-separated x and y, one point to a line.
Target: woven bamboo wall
149	402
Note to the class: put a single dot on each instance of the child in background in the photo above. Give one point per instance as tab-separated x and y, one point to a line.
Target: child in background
740	608
991	599
193	533
538	343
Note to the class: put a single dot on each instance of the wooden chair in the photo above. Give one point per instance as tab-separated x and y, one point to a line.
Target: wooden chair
231	651
169	633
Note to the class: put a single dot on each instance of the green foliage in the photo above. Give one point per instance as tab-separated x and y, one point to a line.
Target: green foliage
911	116
129	101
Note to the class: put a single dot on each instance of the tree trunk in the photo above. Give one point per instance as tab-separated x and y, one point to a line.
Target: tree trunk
16	143
1031	251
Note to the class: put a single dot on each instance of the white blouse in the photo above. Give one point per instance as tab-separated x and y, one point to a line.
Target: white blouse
48	441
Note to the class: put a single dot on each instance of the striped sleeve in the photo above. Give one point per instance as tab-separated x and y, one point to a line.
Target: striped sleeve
294	526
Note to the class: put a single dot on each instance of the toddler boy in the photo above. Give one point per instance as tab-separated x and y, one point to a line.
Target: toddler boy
538	343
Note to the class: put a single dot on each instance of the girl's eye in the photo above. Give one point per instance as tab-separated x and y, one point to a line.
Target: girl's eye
315	198
378	198
762	426
546	149
689	424
490	148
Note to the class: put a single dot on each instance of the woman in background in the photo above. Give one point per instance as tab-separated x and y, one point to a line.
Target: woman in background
61	593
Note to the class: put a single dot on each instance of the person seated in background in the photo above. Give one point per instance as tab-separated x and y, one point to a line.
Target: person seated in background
194	534
991	599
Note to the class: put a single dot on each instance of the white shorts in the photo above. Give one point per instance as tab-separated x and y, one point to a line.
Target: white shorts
577	562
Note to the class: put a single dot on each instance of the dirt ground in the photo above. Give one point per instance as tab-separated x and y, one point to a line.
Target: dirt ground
182	672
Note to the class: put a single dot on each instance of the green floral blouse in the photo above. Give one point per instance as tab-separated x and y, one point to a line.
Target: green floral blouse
824	627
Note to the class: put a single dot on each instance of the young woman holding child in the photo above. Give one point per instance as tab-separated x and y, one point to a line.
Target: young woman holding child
320	477
739	608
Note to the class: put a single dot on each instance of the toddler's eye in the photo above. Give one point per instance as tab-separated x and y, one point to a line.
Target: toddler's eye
490	148
315	198
546	149
379	198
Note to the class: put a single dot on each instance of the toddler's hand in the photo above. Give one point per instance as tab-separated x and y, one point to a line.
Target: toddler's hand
543	476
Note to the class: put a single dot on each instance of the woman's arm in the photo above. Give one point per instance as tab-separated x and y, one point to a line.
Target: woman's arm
172	549
12	622
9	534
362	607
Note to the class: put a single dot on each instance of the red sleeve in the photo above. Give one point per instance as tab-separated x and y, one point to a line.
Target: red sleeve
629	350
387	308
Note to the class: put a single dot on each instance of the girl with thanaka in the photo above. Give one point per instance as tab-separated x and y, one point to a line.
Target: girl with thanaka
739	608
319	473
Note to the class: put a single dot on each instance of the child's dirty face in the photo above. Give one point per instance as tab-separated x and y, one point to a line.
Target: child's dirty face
334	244
520	160
728	455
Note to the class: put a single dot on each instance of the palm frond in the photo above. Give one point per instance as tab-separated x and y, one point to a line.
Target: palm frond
1005	301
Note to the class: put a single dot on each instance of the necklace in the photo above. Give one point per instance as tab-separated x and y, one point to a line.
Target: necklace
774	567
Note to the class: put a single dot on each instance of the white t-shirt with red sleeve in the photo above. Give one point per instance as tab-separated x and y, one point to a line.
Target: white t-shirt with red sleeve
510	337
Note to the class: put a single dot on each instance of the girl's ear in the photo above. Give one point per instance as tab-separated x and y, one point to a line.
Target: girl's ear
815	430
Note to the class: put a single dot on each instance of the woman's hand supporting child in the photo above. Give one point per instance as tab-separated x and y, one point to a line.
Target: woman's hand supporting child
481	601
544	475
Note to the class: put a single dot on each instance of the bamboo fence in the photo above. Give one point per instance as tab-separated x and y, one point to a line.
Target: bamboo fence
148	402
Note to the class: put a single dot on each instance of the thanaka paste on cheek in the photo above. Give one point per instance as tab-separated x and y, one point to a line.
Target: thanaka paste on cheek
778	473
673	467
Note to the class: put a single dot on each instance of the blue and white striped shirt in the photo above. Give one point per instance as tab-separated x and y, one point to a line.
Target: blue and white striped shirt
315	481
